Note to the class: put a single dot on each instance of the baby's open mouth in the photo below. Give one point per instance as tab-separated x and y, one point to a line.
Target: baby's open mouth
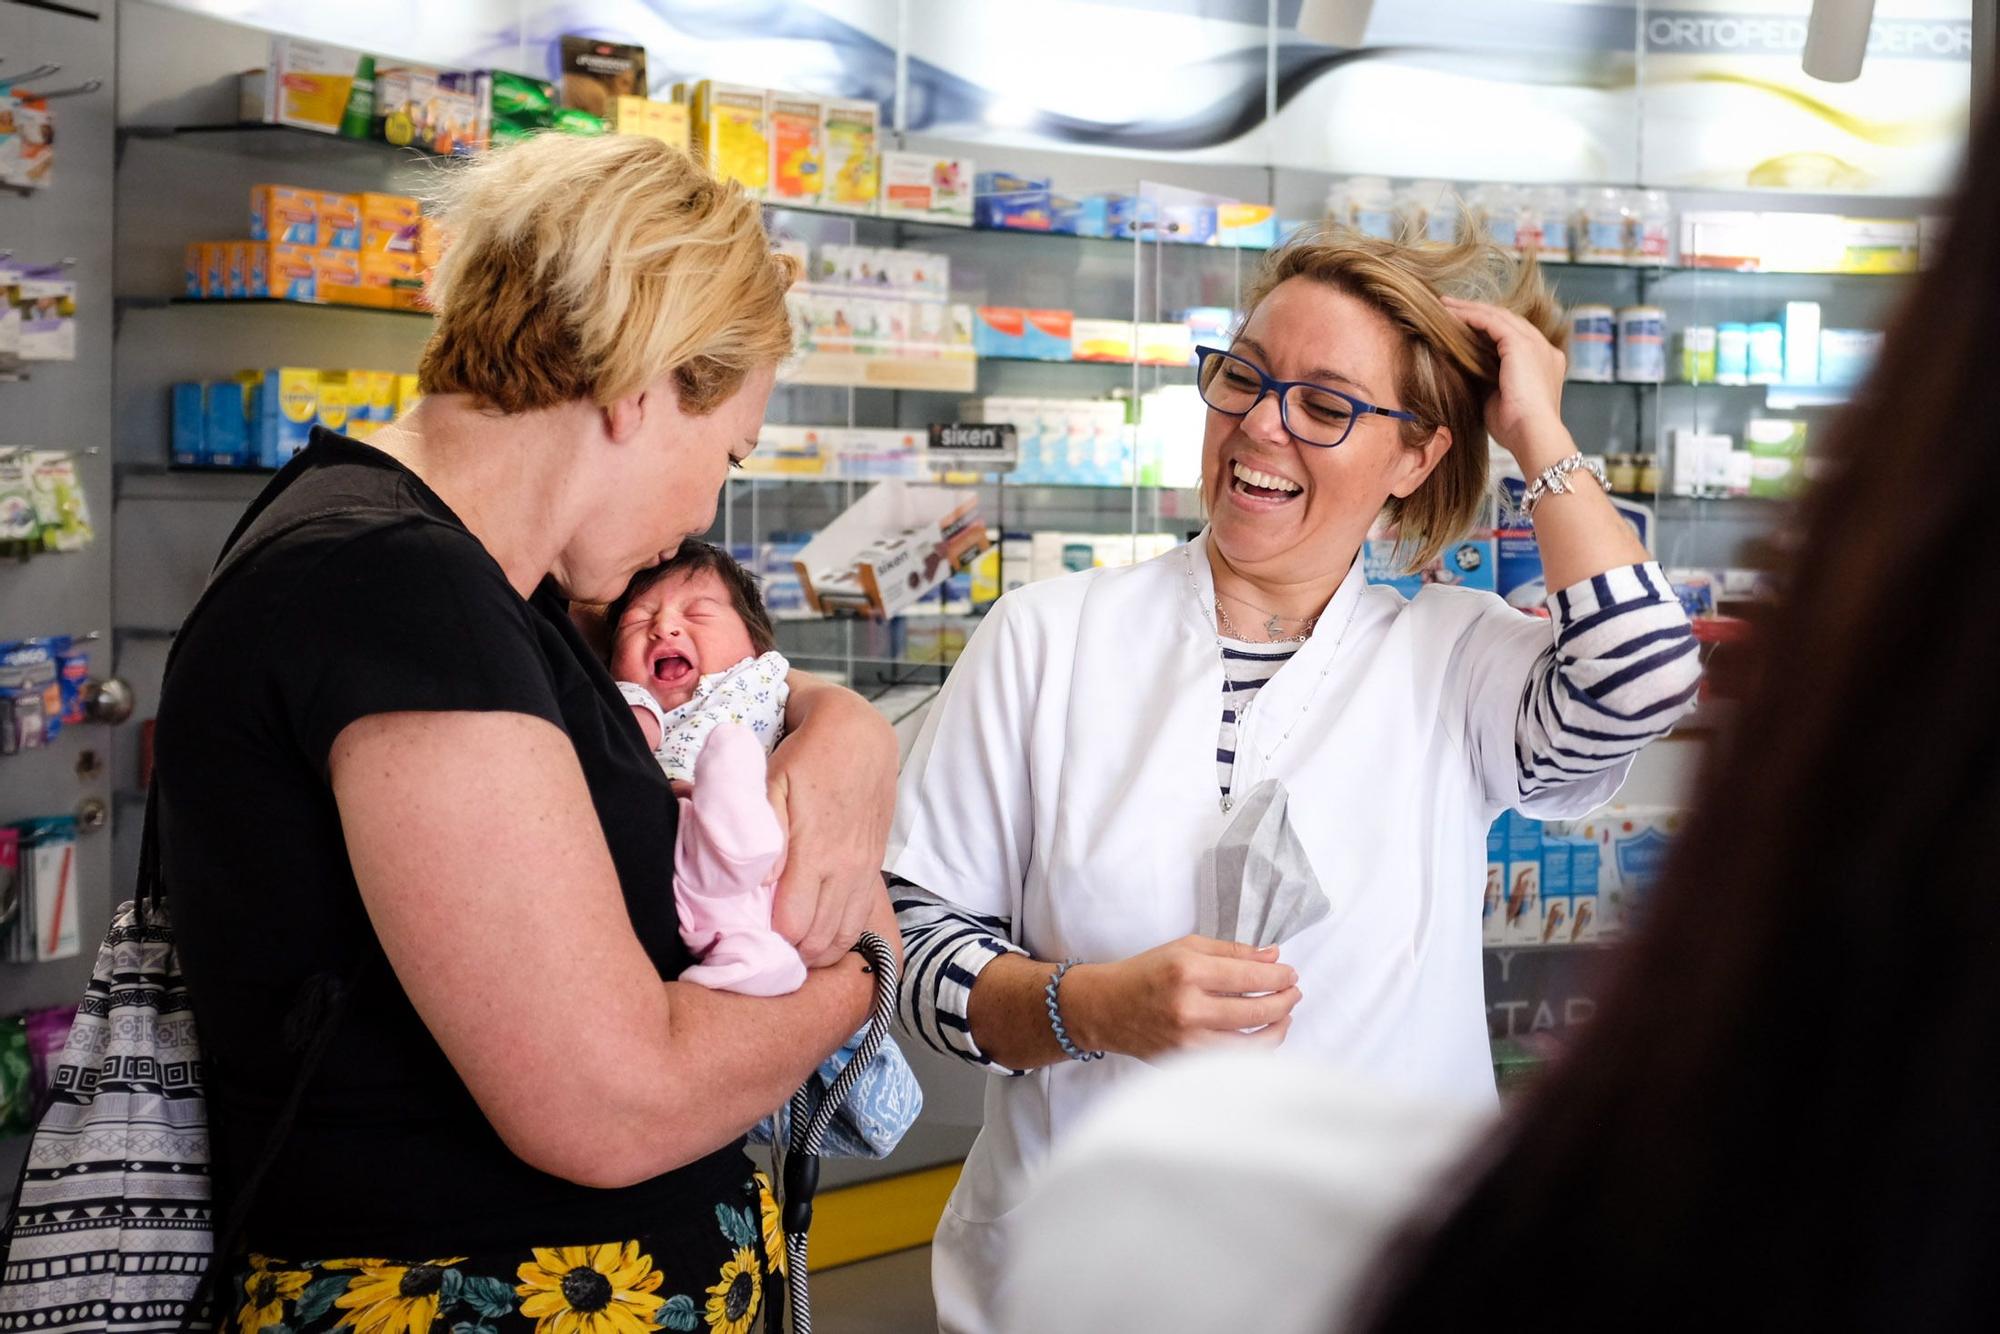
673	670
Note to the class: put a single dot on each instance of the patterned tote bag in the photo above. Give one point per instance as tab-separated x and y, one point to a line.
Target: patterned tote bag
112	1230
113	1227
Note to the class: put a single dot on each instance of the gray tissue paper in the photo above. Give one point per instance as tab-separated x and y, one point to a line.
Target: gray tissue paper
1257	886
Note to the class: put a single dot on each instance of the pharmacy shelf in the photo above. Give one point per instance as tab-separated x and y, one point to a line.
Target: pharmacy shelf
286	142
271	303
853	370
279	142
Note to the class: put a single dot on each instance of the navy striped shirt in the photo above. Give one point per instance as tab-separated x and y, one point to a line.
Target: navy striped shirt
1622	670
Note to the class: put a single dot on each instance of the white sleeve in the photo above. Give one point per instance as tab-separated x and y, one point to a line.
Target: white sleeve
641	698
1227	1190
964	827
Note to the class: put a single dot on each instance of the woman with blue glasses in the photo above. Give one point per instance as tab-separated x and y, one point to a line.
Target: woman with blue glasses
1091	747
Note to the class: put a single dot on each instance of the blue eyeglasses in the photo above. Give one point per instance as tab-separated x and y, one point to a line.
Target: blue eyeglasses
1314	414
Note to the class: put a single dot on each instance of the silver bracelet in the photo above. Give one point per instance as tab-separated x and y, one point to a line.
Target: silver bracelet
1555	481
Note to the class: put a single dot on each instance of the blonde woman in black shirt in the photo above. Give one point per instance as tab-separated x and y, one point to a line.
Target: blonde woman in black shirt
386	757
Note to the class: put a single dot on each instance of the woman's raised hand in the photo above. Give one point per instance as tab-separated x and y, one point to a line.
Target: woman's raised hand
1189	992
1525	413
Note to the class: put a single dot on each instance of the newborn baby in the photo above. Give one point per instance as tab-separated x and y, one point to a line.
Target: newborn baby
694	655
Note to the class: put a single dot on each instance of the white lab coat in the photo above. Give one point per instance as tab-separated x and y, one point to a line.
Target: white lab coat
1066	780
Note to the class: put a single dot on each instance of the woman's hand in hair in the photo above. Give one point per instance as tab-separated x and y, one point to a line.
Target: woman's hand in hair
1525	413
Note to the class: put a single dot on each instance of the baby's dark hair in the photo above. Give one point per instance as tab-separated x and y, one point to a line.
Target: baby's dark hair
694	558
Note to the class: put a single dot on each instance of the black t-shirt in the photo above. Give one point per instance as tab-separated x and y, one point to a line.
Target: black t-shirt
397	609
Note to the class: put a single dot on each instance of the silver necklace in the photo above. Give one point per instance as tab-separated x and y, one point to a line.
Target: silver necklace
1273	628
1215	628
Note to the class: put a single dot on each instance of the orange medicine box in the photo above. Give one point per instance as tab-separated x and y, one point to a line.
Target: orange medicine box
191	271
339	221
337	275
215	269
391	281
389	223
292	273
284	214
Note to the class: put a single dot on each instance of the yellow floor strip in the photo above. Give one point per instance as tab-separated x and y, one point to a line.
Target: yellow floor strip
879	1217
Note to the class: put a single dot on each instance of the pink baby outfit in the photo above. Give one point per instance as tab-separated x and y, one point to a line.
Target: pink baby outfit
730	844
725	872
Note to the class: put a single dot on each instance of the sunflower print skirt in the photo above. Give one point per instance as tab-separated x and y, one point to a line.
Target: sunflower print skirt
610	1288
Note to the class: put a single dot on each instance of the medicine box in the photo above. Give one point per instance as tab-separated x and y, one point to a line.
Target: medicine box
215	269
333	401
256	258
191	271
226	426
337	276
798	161
1556	905
339	221
381	397
190	448
1165	343
732	134
1249	226
1469	563
294	272
407	393
285	215
236	269
650	119
851	131
287	411
1777	448
1522	910
391	281
1491	915
1847	355
308	84
389	224
1632	844
1003	200
927	188
1583	891
1102	340
1801	324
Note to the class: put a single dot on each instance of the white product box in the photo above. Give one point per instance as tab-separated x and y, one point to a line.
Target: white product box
1701	463
927	188
890	548
1801	324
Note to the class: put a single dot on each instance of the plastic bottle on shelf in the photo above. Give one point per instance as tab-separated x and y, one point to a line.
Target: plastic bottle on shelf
1642	345
1732	353
1374	206
1604	220
1552	202
1340	204
1527	222
1592	330
1652	228
1496	211
1429	209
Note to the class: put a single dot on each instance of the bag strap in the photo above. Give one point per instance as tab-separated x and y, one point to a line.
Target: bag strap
243	543
314	1018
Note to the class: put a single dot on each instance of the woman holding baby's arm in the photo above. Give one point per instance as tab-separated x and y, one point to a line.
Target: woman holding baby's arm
391	771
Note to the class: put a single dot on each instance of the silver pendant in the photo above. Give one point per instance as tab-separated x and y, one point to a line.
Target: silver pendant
1228	805
1273	627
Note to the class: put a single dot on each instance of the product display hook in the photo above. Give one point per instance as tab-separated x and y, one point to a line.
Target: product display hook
799	1177
38	72
77	90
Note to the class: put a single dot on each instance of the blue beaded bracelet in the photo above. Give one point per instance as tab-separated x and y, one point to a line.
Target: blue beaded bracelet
1070	1049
